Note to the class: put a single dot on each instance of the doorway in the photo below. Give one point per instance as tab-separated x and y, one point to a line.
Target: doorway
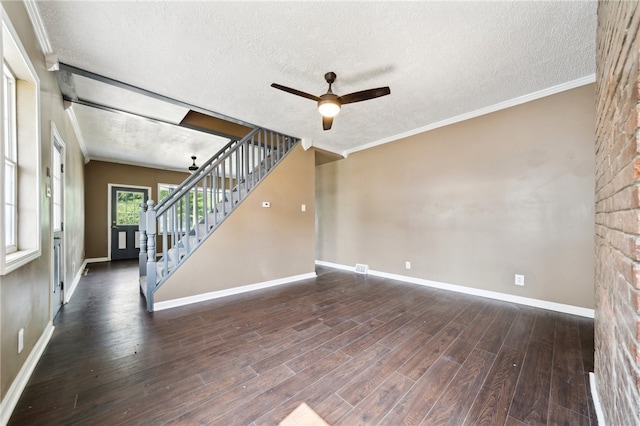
125	220
57	221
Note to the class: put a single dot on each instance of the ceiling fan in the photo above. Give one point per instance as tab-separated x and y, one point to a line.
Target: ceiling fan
329	104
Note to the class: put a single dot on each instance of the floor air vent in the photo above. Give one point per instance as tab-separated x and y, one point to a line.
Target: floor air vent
361	269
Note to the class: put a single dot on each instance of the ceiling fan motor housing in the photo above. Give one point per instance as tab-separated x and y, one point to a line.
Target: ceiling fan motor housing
330	77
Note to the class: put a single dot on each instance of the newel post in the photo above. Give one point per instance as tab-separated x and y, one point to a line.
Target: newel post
142	256
151	253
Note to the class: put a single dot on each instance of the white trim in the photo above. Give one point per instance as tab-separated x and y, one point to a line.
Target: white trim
96	260
596	399
306	143
55	137
159	306
336	265
76	129
137	164
18	259
76	280
20	382
38	26
482	111
329	148
26	71
57	141
536	303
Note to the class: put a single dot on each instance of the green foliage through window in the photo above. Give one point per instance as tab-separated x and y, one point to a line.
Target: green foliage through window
184	210
128	207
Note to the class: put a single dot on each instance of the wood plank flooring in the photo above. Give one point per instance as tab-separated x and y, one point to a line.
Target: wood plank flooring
357	349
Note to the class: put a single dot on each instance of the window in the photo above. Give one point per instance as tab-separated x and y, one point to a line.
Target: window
128	207
10	159
20	167
57	184
175	214
182	213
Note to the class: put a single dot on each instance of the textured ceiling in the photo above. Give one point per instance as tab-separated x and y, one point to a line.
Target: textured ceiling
441	59
131	140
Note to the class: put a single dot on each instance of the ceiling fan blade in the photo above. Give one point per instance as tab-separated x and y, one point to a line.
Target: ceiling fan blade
364	95
295	92
327	122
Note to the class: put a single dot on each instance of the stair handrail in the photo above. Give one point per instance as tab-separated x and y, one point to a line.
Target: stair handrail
192	180
251	166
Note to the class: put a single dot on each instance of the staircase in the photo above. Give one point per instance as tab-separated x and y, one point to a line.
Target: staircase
173	229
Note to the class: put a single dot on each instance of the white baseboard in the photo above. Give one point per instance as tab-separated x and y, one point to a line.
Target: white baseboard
336	265
596	399
97	259
20	382
537	303
68	292
158	306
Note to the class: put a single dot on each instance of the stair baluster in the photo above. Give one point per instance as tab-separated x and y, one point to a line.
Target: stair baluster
194	210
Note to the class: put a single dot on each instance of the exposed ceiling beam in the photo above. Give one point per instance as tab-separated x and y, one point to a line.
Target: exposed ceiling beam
116	83
132	114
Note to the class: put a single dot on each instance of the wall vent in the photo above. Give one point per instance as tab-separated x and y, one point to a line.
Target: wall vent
361	269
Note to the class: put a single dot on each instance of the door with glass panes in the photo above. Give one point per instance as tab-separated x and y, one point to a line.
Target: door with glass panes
125	220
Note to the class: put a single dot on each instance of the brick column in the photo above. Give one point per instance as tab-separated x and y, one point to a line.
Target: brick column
617	229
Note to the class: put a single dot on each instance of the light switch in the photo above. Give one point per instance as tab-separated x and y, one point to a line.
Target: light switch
303	207
20	340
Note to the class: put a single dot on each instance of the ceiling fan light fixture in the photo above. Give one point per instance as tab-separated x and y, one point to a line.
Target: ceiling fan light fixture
329	104
193	167
329	107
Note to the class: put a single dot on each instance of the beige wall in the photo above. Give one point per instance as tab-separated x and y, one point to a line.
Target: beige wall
25	294
256	244
98	176
474	203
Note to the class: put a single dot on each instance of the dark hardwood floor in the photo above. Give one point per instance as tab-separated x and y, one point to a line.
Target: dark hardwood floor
356	349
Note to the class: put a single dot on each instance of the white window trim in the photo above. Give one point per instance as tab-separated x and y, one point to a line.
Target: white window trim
31	250
57	142
11	248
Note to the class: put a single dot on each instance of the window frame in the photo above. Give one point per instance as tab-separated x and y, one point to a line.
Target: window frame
10	155
28	154
57	180
193	202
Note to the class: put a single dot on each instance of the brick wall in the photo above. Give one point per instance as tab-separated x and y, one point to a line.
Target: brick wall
617	229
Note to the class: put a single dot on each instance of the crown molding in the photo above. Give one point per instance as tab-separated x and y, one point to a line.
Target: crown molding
479	112
327	147
38	26
139	164
76	129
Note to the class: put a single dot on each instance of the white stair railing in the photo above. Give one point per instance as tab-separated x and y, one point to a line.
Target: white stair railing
174	228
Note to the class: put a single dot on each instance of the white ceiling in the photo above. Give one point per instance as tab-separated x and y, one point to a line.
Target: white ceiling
441	60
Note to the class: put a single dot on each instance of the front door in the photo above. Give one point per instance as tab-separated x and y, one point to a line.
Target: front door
125	218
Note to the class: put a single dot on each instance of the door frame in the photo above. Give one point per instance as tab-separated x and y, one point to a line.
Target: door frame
56	140
109	186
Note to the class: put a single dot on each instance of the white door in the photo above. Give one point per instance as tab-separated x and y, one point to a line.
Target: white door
57	223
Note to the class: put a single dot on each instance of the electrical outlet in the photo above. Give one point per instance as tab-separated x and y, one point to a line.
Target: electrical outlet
407	265
20	340
519	280
266	204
